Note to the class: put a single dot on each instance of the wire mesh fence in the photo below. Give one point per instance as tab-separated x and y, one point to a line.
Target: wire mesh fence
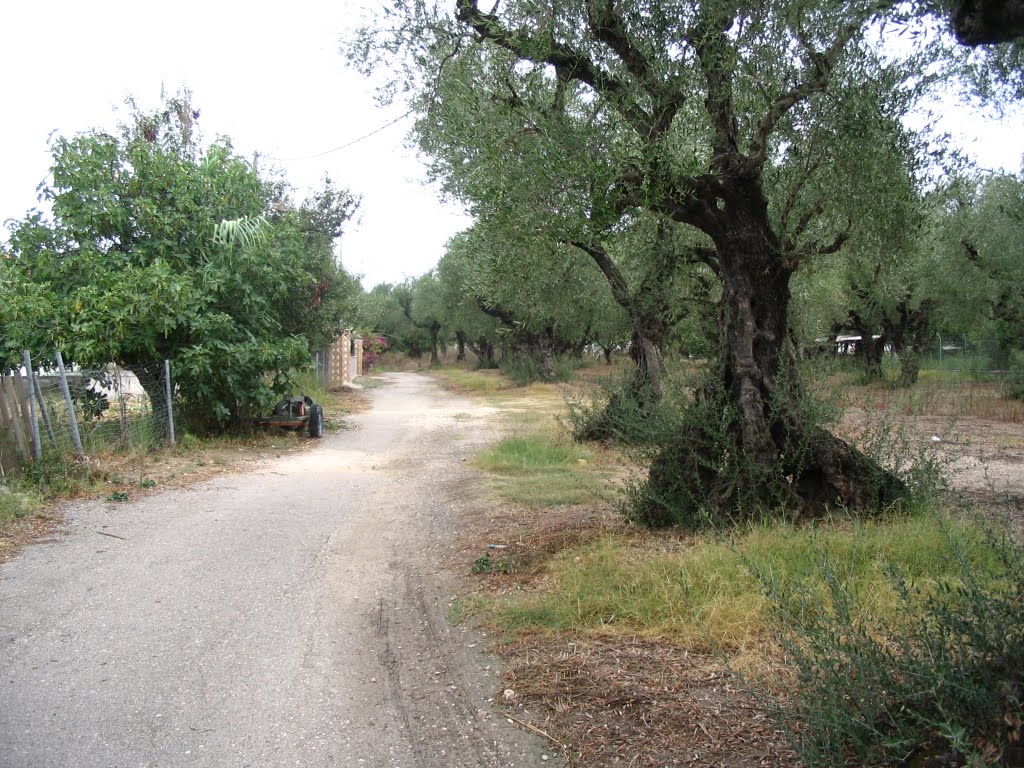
115	407
74	410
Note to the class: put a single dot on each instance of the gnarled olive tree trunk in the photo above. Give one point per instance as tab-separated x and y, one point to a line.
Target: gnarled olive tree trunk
910	331
869	351
460	341
750	444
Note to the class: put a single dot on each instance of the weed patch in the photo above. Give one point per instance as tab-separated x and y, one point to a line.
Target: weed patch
942	684
536	472
15	504
478	382
704	594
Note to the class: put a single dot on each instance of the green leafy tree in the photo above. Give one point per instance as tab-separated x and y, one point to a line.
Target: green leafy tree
473	329
427	311
545	295
132	266
322	295
386	310
743	124
986	230
892	276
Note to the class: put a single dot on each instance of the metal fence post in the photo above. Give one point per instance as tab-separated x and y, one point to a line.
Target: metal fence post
38	392
122	407
76	438
170	407
37	444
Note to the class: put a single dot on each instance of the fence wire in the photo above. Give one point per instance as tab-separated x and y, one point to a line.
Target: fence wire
114	408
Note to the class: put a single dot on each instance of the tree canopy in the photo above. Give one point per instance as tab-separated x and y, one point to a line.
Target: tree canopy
131	266
768	133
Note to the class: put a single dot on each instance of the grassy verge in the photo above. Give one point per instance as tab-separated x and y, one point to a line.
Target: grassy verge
534	471
534	465
708	594
615	633
472	382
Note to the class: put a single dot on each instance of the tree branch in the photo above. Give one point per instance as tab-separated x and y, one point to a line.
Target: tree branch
610	270
493	310
714	50
607	26
810	168
567	61
819	249
816	82
805	221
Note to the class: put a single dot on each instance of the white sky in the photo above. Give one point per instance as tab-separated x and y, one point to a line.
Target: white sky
268	75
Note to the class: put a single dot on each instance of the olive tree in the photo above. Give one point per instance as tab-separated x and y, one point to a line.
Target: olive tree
986	231
742	124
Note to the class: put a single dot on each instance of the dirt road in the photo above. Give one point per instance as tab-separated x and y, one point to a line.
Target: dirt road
295	615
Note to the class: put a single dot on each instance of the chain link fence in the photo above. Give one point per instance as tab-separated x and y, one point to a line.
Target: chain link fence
55	409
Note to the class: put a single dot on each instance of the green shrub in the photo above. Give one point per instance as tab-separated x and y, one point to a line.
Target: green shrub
615	409
566	367
942	685
700	478
522	370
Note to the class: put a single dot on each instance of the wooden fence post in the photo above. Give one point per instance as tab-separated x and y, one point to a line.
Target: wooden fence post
37	444
170	404
9	461
13	415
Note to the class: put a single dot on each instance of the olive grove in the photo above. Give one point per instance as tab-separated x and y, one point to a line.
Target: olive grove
768	135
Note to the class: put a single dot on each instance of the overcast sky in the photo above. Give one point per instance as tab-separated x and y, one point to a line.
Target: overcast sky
269	75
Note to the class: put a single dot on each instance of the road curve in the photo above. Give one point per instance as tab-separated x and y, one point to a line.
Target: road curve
290	616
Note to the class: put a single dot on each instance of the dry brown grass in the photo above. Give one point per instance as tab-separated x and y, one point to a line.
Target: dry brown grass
932	397
640	703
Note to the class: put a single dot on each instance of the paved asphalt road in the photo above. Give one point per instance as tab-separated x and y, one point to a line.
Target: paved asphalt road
290	616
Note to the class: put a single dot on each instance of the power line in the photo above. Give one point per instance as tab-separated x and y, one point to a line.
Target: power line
343	146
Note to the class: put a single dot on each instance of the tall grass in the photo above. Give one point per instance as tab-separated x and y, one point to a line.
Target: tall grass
536	471
519	453
480	381
15	503
524	370
708	594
